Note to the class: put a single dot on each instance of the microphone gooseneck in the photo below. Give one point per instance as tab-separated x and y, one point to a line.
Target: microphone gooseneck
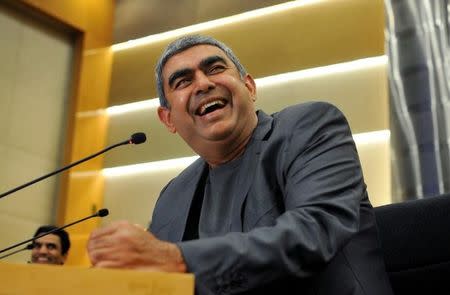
101	213
136	138
27	247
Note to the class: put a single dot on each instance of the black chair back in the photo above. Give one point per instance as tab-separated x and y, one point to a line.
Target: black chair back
415	239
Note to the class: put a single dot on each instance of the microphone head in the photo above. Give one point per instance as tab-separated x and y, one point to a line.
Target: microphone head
103	212
138	138
29	247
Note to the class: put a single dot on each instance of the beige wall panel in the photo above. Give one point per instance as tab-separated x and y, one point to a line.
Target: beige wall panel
35	202
132	197
160	144
3	172
361	94
323	33
133	76
11	36
375	162
34	83
6	94
23	229
38	117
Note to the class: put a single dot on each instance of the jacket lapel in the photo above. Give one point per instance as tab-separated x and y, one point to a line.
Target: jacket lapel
248	169
184	200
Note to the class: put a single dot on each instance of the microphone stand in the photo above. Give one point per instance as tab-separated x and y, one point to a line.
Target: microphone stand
64	168
27	247
136	138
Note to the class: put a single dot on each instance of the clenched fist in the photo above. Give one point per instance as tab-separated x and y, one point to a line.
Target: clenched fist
126	245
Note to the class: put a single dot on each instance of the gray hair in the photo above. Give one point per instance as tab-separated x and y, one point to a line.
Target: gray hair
181	44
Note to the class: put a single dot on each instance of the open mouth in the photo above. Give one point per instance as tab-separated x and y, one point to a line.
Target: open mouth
42	259
210	107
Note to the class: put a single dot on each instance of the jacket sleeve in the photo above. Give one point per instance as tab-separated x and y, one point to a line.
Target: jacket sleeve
322	191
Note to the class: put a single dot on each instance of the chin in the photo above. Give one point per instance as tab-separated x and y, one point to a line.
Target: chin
219	133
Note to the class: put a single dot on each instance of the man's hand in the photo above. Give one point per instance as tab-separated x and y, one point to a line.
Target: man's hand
126	245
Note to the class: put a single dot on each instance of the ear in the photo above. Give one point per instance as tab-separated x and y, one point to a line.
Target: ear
251	86
164	117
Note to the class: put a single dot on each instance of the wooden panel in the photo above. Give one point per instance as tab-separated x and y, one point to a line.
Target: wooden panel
95	74
56	280
326	32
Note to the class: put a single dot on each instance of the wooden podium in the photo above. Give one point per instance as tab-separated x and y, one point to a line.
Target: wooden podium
29	279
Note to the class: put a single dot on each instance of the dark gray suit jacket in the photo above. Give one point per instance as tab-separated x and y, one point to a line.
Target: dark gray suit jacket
302	221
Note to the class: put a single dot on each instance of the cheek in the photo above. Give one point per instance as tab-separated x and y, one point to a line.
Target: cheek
180	98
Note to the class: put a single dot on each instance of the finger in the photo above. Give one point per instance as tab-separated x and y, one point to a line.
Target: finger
140	227
109	229
101	255
108	264
100	243
111	259
102	232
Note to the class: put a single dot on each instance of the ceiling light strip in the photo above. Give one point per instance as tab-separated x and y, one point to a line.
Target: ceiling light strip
372	137
339	68
134	106
178	163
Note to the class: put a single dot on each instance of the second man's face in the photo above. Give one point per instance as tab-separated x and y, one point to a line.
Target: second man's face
209	101
47	250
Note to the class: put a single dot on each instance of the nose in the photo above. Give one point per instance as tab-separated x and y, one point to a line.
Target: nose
203	83
42	249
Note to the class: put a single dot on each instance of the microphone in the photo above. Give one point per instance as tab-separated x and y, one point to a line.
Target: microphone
136	138
101	213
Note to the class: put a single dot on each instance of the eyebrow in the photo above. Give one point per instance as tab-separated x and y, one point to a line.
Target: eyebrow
205	63
211	60
40	244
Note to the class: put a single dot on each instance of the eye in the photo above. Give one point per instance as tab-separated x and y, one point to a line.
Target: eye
51	246
217	68
182	83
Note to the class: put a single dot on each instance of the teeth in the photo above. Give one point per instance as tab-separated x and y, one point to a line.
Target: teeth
205	106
